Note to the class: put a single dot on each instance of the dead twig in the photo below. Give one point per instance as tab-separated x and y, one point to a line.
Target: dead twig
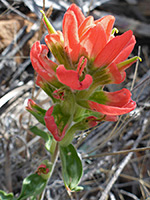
23	148
16	11
123	164
8	167
20	33
117	153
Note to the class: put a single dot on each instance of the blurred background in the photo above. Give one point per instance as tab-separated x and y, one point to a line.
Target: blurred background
112	169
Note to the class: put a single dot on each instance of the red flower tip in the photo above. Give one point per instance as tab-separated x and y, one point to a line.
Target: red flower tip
78	13
113	49
92	121
58	94
71	38
42	169
111	118
107	22
81	65
41	63
117	77
118	98
54	40
30	104
40	81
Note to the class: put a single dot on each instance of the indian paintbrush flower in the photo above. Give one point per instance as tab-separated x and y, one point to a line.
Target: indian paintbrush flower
88	57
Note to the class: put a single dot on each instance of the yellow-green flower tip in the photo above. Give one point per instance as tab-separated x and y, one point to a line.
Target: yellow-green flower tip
140	59
115	30
50	28
42	12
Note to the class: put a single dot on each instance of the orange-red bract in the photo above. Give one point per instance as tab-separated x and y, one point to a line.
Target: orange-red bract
88	56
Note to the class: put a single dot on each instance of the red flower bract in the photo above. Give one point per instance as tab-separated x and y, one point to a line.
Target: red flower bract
110	103
71	77
89	56
42	64
83	38
112	110
58	131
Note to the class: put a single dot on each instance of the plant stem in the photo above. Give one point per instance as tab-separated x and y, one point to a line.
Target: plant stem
53	161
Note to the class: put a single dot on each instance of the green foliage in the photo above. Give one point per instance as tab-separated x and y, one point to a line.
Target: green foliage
71	167
39	116
61	118
46	136
33	186
5	196
33	198
99	97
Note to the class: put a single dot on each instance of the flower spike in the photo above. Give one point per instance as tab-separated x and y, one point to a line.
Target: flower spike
88	56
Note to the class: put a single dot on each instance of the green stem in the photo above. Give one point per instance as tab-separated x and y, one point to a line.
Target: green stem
54	157
85	94
69	135
53	162
79	126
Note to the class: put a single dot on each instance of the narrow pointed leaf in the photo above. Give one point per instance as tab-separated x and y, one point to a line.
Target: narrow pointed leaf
126	63
48	24
36	111
47	137
39	117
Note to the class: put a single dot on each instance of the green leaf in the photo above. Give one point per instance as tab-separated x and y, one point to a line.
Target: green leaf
33	198
33	185
61	118
5	196
46	136
36	111
78	188
99	97
48	89
71	166
87	113
39	117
